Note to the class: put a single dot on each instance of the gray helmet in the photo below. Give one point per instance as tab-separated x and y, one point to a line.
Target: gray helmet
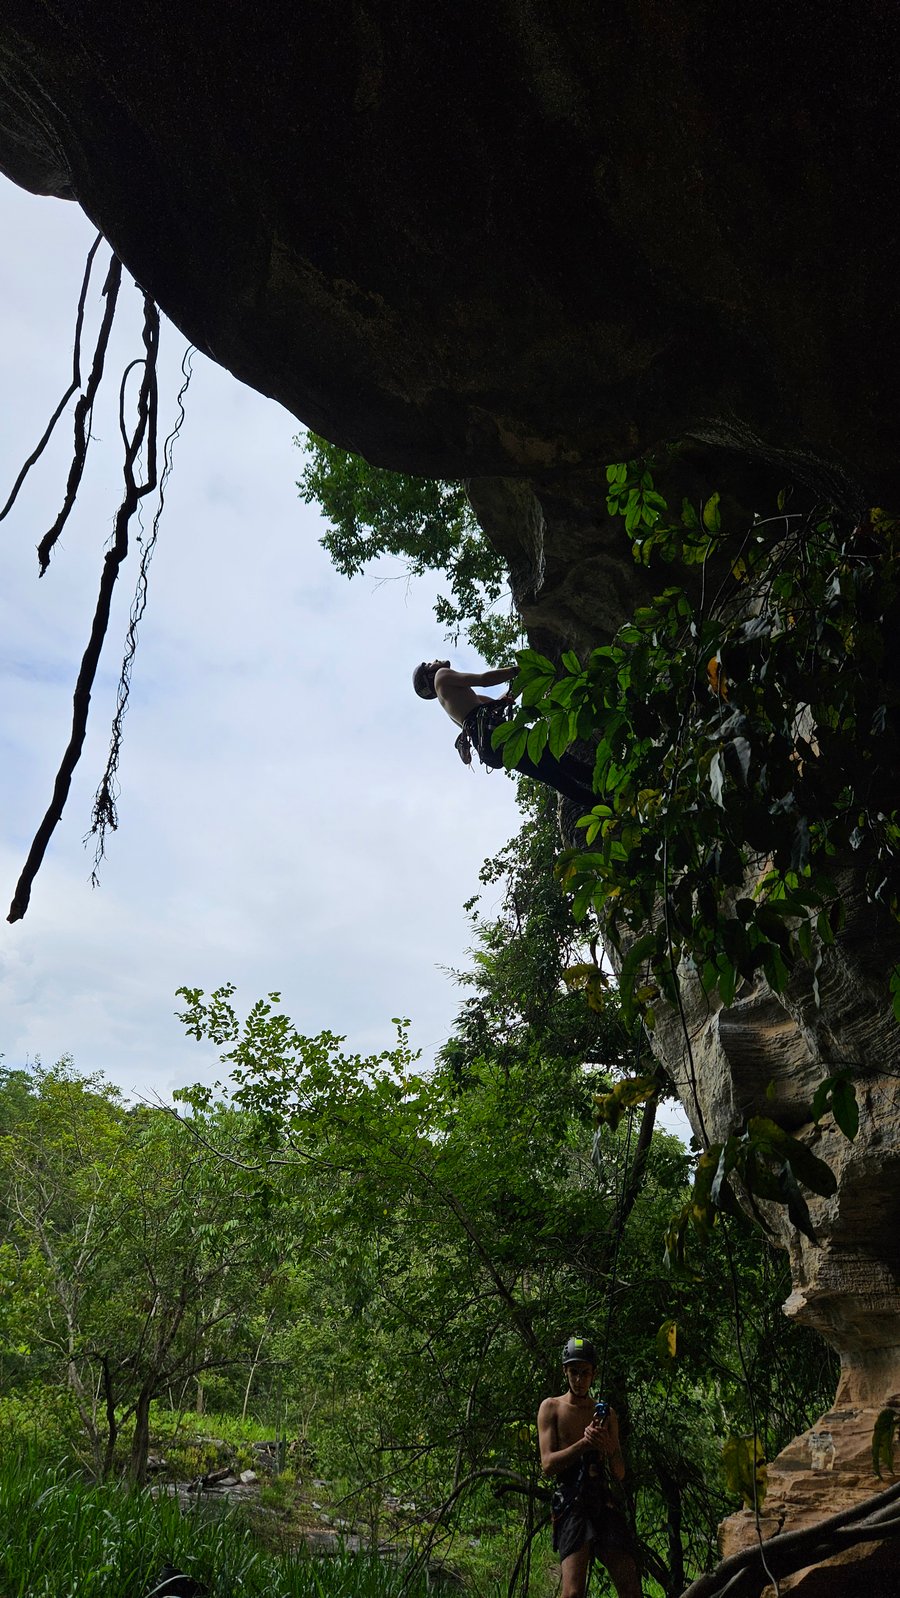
580	1350
423	681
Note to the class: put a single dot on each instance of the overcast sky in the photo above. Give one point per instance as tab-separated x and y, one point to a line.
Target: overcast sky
291	816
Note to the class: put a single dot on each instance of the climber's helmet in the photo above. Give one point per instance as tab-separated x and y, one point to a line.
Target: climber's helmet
579	1351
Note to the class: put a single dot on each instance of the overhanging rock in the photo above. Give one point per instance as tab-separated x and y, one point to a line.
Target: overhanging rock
508	239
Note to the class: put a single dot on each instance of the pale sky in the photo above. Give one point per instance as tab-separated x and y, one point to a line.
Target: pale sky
291	816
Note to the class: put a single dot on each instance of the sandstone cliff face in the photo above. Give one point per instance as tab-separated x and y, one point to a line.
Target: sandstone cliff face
513	243
765	1055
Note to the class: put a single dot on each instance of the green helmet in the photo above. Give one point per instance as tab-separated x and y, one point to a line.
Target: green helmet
579	1349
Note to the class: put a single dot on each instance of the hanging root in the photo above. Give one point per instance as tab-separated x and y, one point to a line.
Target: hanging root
73	387
104	815
83	413
143	437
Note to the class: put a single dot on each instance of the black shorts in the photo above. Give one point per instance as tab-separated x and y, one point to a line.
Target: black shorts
603	1526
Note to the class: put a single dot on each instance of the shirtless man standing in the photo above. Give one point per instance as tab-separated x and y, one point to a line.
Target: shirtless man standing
479	714
583	1452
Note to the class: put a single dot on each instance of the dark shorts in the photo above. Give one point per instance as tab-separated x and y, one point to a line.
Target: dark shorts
601	1525
478	730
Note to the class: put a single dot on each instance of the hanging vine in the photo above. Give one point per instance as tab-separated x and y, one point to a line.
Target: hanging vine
140	470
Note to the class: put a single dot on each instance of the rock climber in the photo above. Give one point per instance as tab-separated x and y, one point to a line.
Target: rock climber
479	714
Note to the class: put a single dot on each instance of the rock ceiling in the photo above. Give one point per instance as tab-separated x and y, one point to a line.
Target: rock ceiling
509	239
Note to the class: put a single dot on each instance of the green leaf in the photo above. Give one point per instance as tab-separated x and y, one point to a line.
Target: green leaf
571	662
883	1441
560	733
743	1461
776	971
821	1098
797	1207
637	954
667	1343
563	692
702	1204
537	741
514	748
689	517
844	1106
676	1234
712	519
728	976
535	690
531	658
770	1138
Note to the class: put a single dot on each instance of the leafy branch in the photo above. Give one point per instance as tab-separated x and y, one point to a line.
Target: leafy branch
743	743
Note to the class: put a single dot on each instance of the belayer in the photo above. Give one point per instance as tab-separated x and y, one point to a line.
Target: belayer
479	714
579	1443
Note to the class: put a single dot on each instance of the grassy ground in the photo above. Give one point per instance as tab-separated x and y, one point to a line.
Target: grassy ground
64	1537
68	1537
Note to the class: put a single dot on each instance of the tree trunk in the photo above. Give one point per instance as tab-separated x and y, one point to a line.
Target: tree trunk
672	1494
255	1363
112	1425
140	1445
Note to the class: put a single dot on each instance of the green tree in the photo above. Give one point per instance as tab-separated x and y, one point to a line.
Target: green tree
427	523
141	1255
465	1227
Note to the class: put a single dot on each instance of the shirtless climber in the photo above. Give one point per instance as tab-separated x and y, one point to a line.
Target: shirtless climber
479	714
582	1451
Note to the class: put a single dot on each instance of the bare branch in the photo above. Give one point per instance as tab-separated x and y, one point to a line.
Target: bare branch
744	1575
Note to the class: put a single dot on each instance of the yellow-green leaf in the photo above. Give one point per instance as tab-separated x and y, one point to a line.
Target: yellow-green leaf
712	519
667	1342
744	1464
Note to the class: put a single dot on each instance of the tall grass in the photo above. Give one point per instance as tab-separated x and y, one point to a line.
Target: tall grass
62	1538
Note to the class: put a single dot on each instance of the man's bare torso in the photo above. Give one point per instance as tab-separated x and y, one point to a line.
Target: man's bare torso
568	1419
456	697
